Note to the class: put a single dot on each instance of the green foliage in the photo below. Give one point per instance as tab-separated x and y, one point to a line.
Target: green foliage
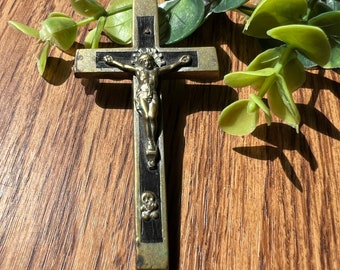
179	18
305	33
275	72
98	31
118	27
59	30
25	29
88	8
282	104
184	17
323	14
225	5
329	22
248	77
42	59
237	120
309	32
270	14
90	38
292	69
317	49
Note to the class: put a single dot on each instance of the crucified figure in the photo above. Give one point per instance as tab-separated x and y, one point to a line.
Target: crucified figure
146	100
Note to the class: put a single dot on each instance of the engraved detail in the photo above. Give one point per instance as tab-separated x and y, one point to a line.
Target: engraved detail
154	53
149	208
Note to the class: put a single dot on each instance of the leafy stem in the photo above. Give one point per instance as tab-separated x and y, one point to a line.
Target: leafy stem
285	56
86	21
269	81
309	32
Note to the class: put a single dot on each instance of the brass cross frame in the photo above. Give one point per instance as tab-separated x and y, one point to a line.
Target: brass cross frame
144	62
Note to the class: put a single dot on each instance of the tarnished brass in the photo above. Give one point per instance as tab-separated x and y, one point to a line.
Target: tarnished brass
144	62
206	68
147	66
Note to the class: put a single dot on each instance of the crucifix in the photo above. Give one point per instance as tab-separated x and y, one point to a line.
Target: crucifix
146	62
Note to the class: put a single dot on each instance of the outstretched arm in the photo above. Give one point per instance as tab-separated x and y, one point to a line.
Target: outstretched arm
110	61
183	61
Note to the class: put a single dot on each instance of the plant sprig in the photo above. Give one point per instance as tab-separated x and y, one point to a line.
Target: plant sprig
61	30
309	32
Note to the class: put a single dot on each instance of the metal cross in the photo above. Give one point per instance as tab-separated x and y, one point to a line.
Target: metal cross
145	61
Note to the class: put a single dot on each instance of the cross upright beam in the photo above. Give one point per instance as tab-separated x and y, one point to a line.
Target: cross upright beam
149	61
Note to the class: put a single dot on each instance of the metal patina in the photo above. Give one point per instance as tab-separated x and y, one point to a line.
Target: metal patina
144	62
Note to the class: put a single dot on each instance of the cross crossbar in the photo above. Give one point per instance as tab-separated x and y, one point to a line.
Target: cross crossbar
90	63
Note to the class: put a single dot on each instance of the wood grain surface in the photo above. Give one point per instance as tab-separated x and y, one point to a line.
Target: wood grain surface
270	200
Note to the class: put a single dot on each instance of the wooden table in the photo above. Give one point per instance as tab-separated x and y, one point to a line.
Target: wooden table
270	200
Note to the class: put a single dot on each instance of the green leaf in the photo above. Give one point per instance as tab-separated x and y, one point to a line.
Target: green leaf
311	41
317	7
89	38
184	17
278	107
226	5
292	70
42	59
272	13
57	14
329	22
334	61
266	59
99	30
25	29
307	63
245	78
118	27
236	120
167	5
294	73
282	104
61	31
88	8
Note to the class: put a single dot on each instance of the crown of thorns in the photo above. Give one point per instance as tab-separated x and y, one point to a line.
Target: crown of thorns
157	56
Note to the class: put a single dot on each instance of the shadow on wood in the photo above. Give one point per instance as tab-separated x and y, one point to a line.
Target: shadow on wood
280	137
57	70
179	101
266	153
